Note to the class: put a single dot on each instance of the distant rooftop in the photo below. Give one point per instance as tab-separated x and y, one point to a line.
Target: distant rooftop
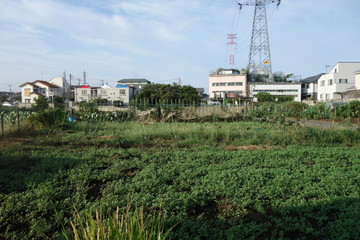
134	80
312	79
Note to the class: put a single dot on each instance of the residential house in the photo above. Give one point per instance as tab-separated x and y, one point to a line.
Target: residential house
137	83
352	93
341	78
121	93
309	87
32	90
227	84
278	89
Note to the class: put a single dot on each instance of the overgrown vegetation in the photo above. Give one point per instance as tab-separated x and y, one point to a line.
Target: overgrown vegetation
239	180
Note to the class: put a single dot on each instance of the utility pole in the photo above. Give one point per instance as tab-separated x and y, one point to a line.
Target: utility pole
10	98
84	77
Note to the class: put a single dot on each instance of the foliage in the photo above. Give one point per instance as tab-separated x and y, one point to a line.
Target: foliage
100	101
216	180
41	103
49	117
126	225
350	110
167	94
87	108
267	97
118	103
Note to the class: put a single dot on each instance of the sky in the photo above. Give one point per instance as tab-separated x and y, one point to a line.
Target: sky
163	40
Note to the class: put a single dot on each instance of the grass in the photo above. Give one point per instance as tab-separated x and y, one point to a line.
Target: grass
129	224
240	180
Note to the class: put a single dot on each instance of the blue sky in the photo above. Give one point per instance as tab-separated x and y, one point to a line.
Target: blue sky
163	40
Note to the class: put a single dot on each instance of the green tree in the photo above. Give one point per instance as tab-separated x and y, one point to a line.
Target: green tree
41	103
166	93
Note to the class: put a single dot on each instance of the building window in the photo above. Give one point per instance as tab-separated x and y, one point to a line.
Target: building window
342	80
216	84
83	92
27	92
322	83
327	97
222	84
321	97
122	91
103	92
330	82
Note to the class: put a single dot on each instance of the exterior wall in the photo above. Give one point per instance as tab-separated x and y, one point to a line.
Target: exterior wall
26	94
309	90
227	85
339	79
64	87
280	89
111	94
357	80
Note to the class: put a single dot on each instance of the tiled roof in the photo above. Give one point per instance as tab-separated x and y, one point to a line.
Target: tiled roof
312	79
46	83
28	83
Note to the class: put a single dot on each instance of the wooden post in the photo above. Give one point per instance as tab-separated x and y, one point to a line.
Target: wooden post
2	125
18	119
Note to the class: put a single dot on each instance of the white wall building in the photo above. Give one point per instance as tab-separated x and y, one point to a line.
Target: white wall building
32	90
309	87
341	78
227	83
278	89
121	93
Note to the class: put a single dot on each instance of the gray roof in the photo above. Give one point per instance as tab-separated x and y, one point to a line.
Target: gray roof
312	79
134	80
358	71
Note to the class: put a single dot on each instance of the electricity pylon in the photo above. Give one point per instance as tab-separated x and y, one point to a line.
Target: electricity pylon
259	56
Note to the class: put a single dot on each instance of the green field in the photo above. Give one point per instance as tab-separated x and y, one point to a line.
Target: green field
240	180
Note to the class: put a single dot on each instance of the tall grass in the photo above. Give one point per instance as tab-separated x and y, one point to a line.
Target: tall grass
125	225
215	134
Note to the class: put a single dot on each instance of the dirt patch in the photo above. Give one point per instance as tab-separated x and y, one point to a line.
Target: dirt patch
248	148
15	141
106	137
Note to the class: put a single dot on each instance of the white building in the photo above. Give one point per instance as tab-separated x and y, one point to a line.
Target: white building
122	93
341	78
352	93
32	90
227	83
309	87
277	89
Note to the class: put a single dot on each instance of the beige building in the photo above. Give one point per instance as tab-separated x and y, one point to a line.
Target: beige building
227	84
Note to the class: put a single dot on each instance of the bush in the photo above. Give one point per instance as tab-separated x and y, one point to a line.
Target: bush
49	117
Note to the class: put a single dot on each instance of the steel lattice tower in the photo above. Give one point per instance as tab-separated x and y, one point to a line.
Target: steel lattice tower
259	56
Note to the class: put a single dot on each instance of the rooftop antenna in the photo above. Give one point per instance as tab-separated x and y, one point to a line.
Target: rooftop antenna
326	67
259	56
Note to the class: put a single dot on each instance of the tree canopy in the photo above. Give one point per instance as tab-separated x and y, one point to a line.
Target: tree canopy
162	93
